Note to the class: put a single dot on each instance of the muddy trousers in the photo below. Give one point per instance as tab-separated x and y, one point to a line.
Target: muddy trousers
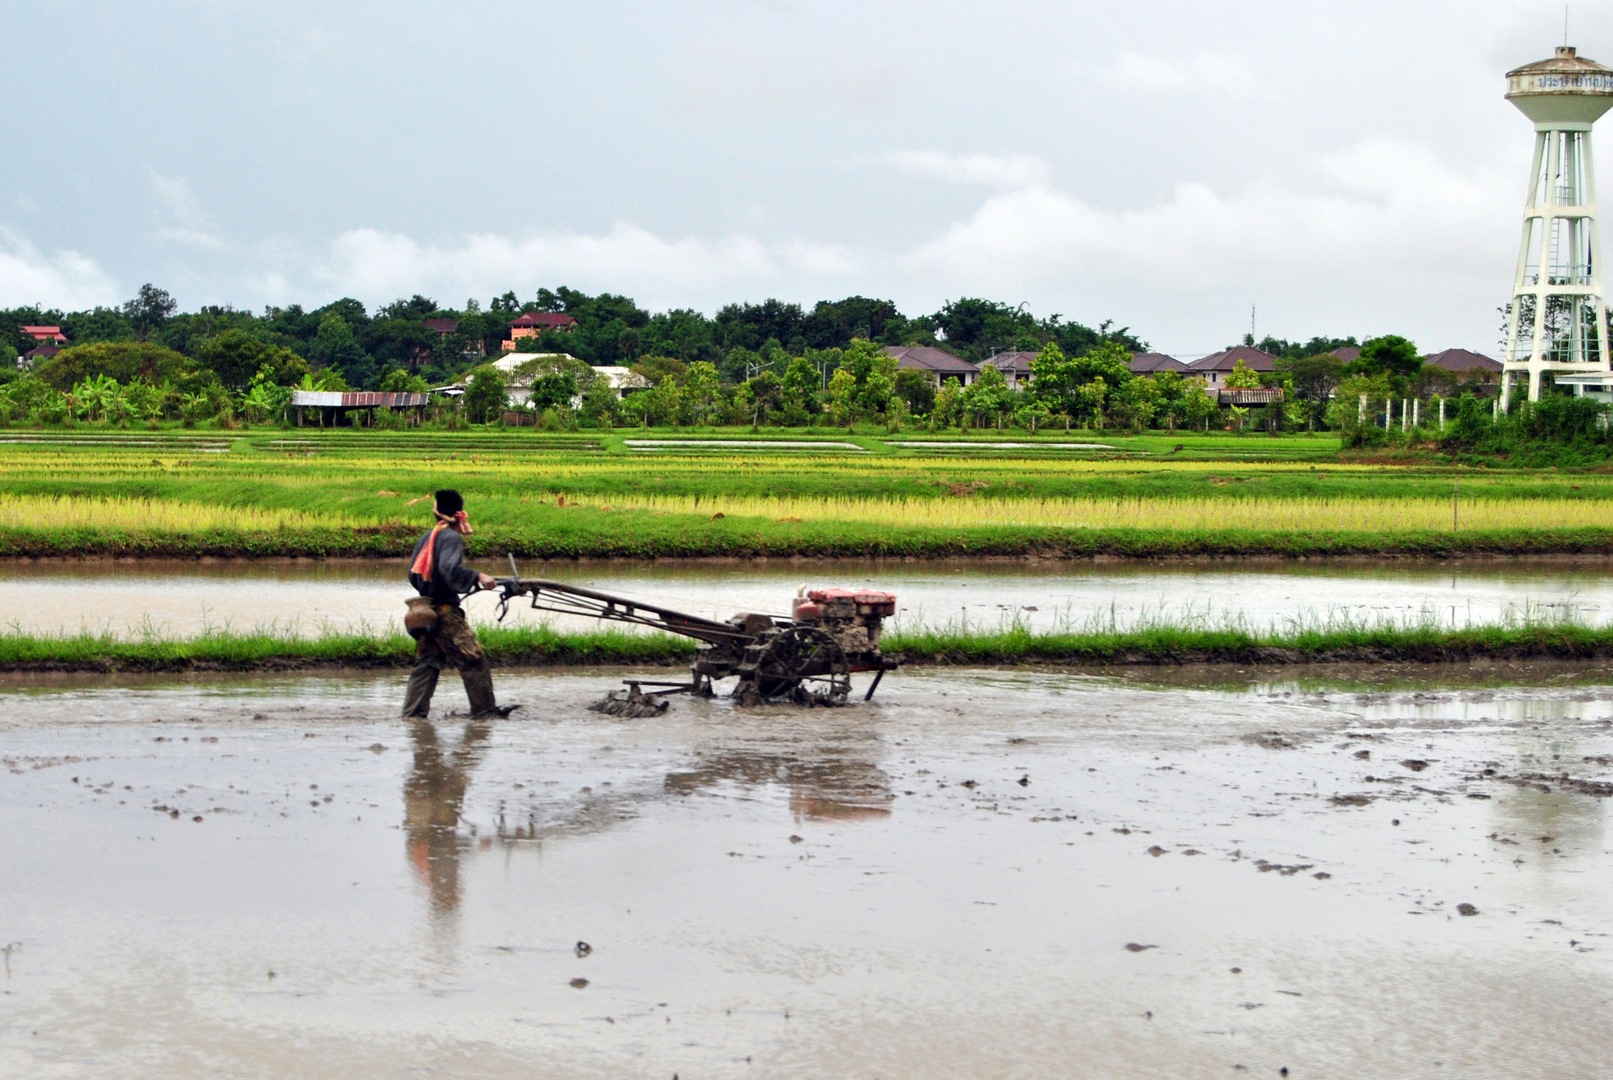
451	643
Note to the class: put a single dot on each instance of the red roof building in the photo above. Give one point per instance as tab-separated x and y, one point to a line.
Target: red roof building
43	334
1217	366
442	326
546	320
534	323
940	364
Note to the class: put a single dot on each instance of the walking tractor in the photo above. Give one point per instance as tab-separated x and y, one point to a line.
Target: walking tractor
807	658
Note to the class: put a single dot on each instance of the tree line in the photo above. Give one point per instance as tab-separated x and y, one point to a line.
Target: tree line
364	346
771	363
1094	390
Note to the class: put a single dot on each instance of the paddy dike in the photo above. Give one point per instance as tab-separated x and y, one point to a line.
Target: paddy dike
980	873
722	537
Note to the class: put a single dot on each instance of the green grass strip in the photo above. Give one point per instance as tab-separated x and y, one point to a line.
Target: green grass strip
1346	644
650	536
544	647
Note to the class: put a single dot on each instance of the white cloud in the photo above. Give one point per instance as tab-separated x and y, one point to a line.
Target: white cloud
1010	172
376	266
735	80
64	279
1228	75
190	224
1399	235
1383	236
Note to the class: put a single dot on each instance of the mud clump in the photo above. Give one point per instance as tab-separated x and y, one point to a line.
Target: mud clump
1466	909
1132	946
1415	764
1272	740
1350	800
632	703
1601	789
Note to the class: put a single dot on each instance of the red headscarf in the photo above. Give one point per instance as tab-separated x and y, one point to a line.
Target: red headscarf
427	558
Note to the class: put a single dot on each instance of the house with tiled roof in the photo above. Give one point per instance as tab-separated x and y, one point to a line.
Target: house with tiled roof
1215	368
1471	369
1151	363
939	364
36	355
1461	361
1015	366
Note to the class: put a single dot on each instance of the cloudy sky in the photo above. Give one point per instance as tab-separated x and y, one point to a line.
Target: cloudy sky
1345	169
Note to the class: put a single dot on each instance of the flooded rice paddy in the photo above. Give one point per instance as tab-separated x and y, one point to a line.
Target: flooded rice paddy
185	598
1005	874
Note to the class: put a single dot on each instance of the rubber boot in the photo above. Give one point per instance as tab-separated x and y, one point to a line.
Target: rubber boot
422	684
479	689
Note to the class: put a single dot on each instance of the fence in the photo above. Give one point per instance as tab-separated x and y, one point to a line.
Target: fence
1408	413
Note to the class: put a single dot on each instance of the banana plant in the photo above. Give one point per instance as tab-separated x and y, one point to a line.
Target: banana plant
95	397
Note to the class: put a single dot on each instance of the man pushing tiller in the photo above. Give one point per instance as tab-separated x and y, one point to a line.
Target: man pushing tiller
435	620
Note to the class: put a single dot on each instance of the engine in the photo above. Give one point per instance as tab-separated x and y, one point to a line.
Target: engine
853	617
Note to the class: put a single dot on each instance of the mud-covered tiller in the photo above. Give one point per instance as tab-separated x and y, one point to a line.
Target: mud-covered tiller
807	658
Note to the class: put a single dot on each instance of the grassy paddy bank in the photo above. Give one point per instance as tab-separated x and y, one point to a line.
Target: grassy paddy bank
625	538
541	647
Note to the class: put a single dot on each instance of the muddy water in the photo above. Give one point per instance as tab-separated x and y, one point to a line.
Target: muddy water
187	598
981	874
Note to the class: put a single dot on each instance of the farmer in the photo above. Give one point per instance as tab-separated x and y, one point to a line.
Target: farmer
437	622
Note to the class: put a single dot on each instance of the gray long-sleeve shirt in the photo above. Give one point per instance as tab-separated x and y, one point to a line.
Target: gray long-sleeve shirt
450	577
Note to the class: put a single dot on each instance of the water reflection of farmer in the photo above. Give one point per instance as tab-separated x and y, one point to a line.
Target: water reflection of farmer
433	799
443	635
826	783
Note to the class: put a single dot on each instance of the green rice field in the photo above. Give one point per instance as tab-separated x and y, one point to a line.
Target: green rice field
366	493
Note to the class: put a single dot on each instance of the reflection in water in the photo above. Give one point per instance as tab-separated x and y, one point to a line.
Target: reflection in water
433	799
1549	744
437	836
827	782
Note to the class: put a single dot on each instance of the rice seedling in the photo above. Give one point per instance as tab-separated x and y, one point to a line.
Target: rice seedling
1346	514
363	493
55	512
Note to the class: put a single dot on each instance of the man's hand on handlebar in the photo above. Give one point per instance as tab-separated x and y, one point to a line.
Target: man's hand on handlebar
486	581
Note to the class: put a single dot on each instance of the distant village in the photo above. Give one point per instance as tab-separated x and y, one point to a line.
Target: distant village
771	362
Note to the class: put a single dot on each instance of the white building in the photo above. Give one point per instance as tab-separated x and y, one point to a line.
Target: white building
520	370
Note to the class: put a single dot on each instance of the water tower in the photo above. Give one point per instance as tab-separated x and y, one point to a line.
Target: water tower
1558	322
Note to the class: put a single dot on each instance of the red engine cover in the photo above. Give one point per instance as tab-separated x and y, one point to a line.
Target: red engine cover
868	601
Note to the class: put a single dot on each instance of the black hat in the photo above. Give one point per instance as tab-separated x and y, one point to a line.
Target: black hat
448	502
